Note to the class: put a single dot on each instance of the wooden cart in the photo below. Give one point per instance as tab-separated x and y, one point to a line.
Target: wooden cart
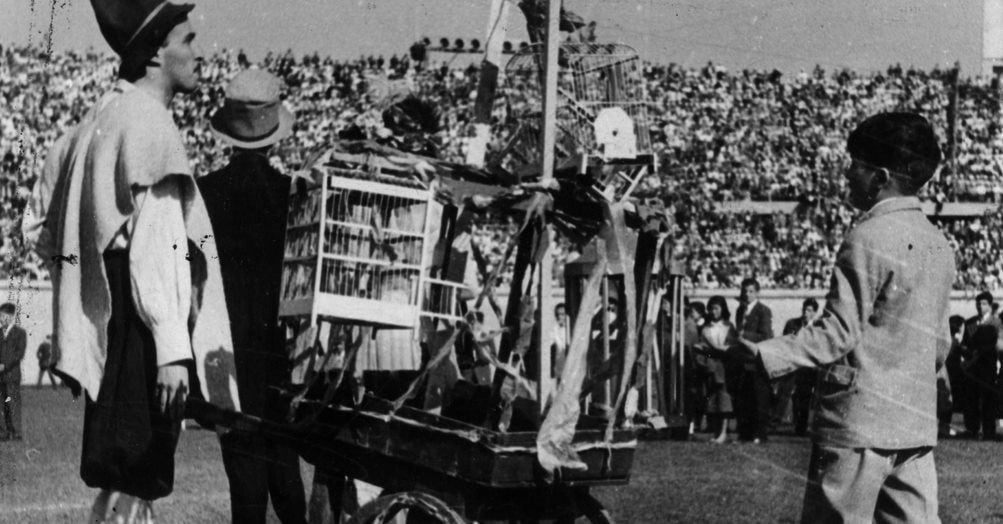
361	244
444	469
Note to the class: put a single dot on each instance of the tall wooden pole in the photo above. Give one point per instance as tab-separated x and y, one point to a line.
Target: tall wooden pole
545	313
487	83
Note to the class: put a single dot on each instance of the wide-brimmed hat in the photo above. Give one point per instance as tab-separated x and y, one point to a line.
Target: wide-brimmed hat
135	29
252	116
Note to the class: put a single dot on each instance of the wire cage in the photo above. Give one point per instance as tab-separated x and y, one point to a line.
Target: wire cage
594	82
358	250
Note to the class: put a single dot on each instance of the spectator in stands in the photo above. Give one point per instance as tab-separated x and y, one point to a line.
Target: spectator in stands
980	346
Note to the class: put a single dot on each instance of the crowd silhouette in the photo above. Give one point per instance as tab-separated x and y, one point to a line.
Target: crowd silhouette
720	135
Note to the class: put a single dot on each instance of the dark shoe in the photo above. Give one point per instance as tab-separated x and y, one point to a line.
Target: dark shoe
966	435
992	437
4	437
17	437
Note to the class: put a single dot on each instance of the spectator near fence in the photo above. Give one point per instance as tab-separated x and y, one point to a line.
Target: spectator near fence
980	346
794	391
48	357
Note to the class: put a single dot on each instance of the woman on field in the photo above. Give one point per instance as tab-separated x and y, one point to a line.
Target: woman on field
717	337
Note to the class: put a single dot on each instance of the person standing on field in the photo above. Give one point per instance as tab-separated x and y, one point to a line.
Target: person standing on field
140	316
882	338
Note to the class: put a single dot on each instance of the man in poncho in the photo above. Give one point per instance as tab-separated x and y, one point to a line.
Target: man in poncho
138	302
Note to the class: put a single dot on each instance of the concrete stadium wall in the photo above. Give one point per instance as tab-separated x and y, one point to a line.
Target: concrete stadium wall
35	311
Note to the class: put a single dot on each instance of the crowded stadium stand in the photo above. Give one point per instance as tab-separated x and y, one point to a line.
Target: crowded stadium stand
750	161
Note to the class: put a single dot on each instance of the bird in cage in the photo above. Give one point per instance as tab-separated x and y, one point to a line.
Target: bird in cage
614	131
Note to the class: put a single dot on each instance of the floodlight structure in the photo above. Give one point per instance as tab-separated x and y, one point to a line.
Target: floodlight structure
602	115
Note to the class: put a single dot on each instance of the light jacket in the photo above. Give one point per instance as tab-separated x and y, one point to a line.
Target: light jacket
883	334
128	141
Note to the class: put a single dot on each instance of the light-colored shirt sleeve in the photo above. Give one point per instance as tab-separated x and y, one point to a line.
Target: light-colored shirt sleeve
839	329
34	229
160	271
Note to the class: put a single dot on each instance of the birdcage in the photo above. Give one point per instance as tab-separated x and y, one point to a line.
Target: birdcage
602	114
358	249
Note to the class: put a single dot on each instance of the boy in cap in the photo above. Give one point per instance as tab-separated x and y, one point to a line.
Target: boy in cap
247	202
138	297
882	337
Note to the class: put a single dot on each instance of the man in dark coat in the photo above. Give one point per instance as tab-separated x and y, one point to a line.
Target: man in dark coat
752	393
248	202
12	346
799	385
980	345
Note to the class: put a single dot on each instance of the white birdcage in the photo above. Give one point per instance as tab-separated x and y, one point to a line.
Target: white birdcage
358	251
593	77
602	114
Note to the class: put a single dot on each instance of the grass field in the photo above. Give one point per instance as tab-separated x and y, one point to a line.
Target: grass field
672	481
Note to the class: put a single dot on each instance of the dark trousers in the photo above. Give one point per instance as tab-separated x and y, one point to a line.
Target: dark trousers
258	469
128	444
782	400
753	404
47	371
10	395
804	388
981	404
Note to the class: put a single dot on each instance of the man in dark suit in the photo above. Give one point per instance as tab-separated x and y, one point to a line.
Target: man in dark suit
247	202
980	345
752	393
12	346
799	385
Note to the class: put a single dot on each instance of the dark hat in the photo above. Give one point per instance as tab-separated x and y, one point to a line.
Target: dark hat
903	143
252	115
136	28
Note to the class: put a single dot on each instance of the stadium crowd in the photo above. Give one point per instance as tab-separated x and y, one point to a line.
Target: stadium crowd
720	135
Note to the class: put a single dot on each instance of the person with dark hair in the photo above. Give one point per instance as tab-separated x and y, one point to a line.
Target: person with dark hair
980	346
139	304
559	339
713	353
753	394
795	390
13	342
881	339
693	379
951	388
47	357
248	200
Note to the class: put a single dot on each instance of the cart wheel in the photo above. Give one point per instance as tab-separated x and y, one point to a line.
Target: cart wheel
417	504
